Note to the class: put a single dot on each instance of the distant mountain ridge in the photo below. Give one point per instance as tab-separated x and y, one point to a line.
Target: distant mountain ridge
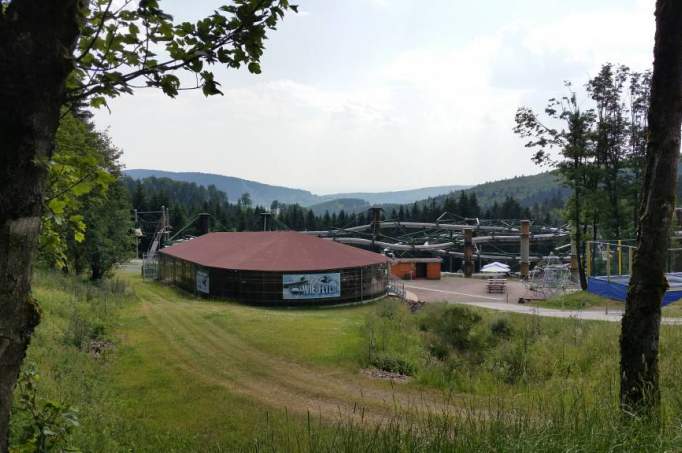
264	194
398	196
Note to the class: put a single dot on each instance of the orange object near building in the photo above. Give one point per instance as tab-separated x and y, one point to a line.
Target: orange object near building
416	268
433	271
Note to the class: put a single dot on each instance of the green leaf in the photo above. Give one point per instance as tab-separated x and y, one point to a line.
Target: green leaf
98	101
254	68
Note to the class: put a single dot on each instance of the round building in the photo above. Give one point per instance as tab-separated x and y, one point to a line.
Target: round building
274	268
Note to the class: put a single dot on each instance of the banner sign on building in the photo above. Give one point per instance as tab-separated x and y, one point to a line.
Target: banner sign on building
311	286
202	282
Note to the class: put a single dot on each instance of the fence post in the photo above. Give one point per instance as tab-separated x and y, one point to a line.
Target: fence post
620	258
608	261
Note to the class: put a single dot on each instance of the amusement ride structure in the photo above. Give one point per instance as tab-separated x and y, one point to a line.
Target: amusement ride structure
467	239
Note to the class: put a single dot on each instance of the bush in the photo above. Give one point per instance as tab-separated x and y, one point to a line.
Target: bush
511	363
82	329
438	349
453	327
394	364
501	328
391	332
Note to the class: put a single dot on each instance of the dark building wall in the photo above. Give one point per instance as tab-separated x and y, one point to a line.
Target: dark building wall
266	288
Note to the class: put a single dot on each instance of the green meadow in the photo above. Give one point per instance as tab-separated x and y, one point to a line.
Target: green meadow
145	367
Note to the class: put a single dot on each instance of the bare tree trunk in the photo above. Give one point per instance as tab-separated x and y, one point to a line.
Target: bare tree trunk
36	43
579	240
639	389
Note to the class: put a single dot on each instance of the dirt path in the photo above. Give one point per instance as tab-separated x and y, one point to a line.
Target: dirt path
217	355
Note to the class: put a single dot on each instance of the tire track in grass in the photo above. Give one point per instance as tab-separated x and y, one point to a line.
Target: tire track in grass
220	372
207	351
255	386
321	383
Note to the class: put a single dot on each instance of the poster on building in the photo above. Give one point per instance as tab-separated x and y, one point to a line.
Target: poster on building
203	282
311	286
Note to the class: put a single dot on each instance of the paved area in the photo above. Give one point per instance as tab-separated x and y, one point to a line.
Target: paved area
473	292
133	266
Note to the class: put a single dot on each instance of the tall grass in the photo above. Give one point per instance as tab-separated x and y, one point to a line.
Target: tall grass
70	352
533	423
515	383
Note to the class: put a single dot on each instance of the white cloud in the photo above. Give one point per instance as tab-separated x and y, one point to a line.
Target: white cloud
428	115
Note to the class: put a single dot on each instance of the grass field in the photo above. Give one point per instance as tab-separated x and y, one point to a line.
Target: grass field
184	374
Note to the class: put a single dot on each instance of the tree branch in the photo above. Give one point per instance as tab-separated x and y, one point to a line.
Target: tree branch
99	30
71	187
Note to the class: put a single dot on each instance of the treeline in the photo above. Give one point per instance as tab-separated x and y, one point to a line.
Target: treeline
87	225
466	205
186	200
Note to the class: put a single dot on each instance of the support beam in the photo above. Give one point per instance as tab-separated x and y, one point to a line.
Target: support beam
525	248
574	257
468	252
376	222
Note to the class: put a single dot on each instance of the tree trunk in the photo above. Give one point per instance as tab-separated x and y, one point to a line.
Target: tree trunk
639	390
579	240
96	270
36	43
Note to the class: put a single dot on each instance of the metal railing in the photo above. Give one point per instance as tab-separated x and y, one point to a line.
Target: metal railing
396	287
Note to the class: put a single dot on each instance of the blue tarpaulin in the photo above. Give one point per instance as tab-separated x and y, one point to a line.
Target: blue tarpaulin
616	287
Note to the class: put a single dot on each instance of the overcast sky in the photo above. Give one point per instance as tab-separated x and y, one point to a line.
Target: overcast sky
371	95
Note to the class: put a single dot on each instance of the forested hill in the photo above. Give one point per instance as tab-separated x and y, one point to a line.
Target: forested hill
543	191
527	190
265	194
261	194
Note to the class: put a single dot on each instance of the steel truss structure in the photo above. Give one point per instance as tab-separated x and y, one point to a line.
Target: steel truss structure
491	239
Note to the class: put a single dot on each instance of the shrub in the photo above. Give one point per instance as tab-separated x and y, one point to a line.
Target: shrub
390	331
453	326
44	425
394	364
511	363
81	330
438	349
501	328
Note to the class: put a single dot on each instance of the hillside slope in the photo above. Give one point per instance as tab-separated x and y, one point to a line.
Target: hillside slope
264	194
261	194
527	190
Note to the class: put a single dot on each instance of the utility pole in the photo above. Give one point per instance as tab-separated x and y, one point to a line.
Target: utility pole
165	224
137	237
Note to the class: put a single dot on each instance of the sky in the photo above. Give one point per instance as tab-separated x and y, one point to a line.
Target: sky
374	95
